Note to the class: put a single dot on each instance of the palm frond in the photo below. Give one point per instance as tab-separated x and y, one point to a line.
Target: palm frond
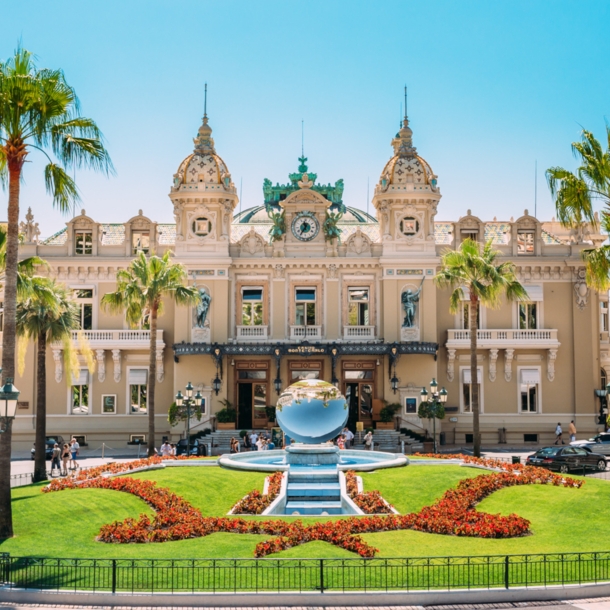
61	186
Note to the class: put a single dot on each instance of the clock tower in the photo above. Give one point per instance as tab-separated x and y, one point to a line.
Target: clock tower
308	210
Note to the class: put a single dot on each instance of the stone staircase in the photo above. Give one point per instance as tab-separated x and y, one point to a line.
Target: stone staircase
312	492
385	440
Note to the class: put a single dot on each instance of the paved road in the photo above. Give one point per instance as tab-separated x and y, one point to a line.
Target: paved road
584	604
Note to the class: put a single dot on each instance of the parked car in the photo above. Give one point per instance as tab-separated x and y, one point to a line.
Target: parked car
568	458
196	448
49	444
598	444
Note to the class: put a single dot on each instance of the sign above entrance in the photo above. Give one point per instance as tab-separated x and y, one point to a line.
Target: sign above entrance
305	350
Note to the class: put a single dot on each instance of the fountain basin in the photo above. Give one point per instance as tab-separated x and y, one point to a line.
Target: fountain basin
348	459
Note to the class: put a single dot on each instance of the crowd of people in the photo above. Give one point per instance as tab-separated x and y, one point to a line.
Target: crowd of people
64	458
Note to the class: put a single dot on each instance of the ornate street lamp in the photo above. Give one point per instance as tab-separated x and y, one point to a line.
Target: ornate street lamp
9	395
277	384
435	401
216	384
188	401
394	383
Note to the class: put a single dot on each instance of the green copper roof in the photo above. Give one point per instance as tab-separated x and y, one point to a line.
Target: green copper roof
274	194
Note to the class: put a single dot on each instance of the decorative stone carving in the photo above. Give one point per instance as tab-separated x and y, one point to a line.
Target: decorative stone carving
581	290
550	364
116	358
178	220
409	334
493	357
101	364
278	271
332	272
29	229
252	243
201	335
59	364
358	243
450	365
508	364
160	369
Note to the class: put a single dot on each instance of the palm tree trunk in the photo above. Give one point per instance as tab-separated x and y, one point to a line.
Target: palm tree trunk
9	334
152	380
40	462
474	386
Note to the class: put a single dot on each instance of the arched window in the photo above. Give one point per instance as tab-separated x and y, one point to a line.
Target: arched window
604	378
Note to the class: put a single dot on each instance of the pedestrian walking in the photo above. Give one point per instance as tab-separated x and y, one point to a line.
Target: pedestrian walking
254	440
247	444
74	450
559	434
65	458
55	459
166	449
368	440
572	431
349	437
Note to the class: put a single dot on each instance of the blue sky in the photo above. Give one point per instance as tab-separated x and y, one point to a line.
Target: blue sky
493	87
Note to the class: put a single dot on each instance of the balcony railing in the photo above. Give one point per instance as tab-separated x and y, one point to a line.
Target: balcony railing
358	332
300	333
121	339
252	333
504	338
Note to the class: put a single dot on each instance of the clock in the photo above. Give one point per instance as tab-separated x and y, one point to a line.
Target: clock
305	226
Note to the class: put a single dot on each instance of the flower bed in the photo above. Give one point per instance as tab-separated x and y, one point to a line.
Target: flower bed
453	514
370	502
256	502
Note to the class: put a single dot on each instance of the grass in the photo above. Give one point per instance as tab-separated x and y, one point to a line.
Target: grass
64	524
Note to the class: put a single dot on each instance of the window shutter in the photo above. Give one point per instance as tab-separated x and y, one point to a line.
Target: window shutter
530	376
82	378
306	294
138	376
535	293
466	378
252	294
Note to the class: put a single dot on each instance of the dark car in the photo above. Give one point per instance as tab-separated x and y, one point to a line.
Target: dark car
49	444
600	443
565	459
196	448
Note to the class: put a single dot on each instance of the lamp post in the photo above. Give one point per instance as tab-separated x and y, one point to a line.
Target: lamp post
9	395
435	400
188	400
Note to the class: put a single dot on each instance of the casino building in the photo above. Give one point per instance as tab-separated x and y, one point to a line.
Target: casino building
302	286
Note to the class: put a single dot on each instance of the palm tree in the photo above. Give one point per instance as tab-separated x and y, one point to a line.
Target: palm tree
46	320
38	110
140	291
575	195
475	268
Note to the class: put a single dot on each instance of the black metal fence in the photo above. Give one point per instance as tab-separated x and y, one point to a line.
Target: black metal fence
302	575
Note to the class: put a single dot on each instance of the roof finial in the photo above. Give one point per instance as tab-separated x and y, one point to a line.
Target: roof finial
302	138
205	101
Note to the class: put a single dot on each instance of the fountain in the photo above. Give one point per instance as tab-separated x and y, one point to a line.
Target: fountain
312	412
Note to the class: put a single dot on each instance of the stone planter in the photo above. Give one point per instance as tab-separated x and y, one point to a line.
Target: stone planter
222	426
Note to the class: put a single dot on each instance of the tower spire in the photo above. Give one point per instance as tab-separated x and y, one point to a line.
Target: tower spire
302	158
406	119
205	101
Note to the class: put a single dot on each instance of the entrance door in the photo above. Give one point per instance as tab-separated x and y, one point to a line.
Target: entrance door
251	392
244	406
359	391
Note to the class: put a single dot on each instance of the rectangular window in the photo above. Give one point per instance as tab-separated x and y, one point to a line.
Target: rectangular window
83	242
84	298
469	234
138	390
529	384
140	242
465	315
528	316
305	311
525	243
411	406
467	389
358	307
252	307
603	322
79	393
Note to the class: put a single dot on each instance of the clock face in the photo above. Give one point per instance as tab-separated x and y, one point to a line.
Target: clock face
305	226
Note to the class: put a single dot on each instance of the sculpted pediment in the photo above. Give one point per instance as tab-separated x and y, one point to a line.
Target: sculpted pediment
305	197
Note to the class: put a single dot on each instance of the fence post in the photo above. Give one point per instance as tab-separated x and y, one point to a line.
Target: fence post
114	575
321	575
506	572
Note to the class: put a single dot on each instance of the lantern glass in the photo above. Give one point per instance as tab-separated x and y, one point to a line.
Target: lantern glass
443	396
394	383
179	399
433	386
189	389
424	394
198	396
216	384
9	395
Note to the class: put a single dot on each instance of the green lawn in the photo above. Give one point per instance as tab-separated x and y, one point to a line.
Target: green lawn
64	524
